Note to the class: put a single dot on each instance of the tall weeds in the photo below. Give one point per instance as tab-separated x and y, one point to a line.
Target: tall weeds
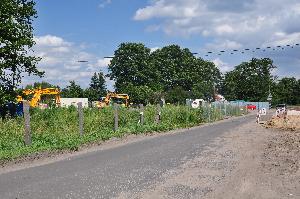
57	128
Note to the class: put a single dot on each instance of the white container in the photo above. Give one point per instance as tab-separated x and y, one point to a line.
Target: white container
66	102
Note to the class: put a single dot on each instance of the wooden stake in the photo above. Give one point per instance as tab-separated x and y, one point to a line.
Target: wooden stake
116	116
141	114
27	136
80	115
158	114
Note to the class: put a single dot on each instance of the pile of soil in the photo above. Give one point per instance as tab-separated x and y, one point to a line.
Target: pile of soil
289	122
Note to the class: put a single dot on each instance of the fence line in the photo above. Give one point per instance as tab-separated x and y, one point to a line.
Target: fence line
209	113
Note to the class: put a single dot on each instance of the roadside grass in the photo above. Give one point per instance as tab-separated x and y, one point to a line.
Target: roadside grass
57	129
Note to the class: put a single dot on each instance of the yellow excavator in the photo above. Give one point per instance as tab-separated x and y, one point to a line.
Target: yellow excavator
37	94
114	98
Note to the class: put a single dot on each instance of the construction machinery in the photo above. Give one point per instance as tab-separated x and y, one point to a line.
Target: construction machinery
37	94
114	98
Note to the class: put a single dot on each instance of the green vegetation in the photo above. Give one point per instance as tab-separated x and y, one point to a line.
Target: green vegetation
57	128
249	81
148	76
286	90
16	42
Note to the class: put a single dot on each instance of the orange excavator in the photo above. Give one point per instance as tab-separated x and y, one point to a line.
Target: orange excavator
114	98
37	94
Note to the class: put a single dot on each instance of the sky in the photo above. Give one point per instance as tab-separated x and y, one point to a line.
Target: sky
67	31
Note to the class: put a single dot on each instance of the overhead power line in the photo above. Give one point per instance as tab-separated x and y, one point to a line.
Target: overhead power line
253	50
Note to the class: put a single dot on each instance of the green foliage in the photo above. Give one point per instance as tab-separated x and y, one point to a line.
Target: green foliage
250	80
173	64
177	95
134	67
16	41
287	91
139	94
72	91
130	65
57	128
97	87
42	85
6	95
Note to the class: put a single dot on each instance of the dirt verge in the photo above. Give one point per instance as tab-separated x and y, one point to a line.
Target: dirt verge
248	162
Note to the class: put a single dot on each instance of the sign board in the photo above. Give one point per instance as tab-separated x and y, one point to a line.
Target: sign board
263	111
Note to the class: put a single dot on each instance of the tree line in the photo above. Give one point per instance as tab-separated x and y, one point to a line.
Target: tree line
176	74
170	72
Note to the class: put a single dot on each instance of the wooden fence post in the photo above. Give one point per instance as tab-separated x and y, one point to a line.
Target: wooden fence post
116	117
80	115
27	136
141	114
209	112
158	114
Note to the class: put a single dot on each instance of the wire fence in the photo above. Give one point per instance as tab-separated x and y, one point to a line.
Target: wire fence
69	128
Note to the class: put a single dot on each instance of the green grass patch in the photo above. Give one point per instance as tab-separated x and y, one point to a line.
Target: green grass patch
57	128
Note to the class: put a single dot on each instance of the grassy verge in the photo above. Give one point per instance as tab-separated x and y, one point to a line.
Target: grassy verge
57	129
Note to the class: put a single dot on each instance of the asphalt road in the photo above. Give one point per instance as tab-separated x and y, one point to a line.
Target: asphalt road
107	173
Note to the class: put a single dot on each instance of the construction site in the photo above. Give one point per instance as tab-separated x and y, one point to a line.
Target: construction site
149	99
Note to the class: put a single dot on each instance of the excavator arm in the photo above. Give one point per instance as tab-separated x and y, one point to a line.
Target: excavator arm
37	94
110	96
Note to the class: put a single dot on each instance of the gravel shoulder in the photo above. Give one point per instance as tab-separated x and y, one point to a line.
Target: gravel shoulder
248	162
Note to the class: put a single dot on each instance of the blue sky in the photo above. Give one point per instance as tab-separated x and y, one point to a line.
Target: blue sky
71	30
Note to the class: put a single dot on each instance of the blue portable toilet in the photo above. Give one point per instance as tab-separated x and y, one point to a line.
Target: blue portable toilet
19	109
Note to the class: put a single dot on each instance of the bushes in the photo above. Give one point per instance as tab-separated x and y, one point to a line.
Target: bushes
57	128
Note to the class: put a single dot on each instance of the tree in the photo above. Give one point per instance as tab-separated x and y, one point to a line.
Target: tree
179	69
177	95
42	84
139	94
72	91
97	87
287	91
249	81
16	41
206	78
173	64
130	65
169	68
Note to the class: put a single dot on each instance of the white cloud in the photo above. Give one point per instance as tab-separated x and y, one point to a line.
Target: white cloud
61	49
154	49
223	29
104	3
50	40
224	67
169	9
223	44
104	62
231	24
60	61
282	38
239	20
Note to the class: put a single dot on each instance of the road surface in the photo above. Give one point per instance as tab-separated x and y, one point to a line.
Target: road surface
131	168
